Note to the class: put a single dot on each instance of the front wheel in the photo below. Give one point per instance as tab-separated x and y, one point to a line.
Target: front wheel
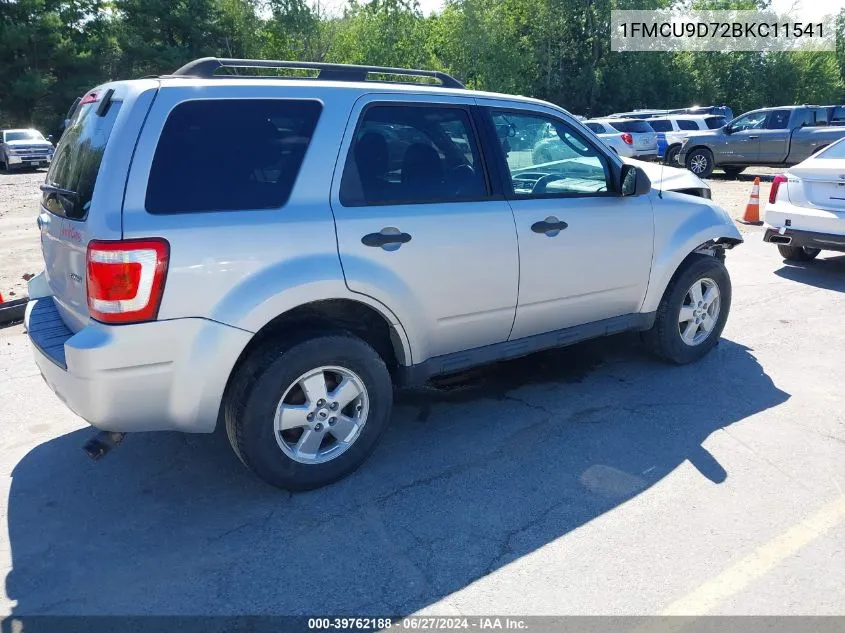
671	156
700	162
693	311
798	253
303	415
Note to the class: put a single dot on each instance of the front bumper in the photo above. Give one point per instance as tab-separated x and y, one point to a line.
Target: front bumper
809	239
156	376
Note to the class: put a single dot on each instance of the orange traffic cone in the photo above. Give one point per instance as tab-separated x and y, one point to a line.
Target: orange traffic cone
752	209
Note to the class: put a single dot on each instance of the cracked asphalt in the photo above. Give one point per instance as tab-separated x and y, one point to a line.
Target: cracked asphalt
592	480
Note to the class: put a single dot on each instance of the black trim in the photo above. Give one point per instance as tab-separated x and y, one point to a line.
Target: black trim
459	361
206	68
383	239
12	311
809	239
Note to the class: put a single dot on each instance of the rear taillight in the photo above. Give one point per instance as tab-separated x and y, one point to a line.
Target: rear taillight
627	138
773	192
125	279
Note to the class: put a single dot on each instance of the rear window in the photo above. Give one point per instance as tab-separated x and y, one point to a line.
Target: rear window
77	160
687	124
661	125
715	122
837	150
230	155
632	126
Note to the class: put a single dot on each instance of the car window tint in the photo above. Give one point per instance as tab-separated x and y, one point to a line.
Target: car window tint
405	154
778	120
837	117
632	126
230	155
546	157
597	128
715	122
660	125
687	124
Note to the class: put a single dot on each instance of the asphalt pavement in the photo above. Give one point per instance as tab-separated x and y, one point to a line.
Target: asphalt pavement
592	480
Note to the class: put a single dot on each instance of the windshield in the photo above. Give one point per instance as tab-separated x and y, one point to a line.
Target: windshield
77	160
24	135
632	126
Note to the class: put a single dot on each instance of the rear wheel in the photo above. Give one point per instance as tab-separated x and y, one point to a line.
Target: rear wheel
302	415
798	253
700	162
693	311
671	156
733	172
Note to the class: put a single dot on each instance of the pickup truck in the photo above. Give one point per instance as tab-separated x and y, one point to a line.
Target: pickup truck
782	136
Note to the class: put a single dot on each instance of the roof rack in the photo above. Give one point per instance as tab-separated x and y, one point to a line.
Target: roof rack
206	68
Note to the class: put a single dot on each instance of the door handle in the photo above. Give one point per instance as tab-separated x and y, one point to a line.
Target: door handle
751	137
389	238
551	226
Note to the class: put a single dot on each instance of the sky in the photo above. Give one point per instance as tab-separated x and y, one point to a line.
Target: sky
809	9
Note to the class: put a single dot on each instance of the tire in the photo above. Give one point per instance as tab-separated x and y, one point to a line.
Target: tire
733	172
665	339
271	373
700	162
671	155
798	253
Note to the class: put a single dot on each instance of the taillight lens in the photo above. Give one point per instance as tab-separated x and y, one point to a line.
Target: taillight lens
773	192
125	279
627	138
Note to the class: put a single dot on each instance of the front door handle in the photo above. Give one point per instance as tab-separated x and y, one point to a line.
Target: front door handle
751	137
389	238
551	226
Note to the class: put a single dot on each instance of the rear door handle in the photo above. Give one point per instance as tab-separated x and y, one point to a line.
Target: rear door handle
751	137
389	238
551	226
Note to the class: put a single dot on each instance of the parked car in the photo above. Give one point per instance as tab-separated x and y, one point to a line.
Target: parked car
806	209
721	110
24	148
673	129
626	137
780	136
289	290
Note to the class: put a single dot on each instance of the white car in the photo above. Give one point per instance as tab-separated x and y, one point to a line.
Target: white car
674	128
627	137
806	209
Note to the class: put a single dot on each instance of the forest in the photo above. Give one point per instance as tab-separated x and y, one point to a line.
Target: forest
55	50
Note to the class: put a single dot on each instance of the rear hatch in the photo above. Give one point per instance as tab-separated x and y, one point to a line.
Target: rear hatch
644	136
82	193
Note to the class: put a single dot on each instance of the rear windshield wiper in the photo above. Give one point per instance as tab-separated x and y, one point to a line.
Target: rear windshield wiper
67	193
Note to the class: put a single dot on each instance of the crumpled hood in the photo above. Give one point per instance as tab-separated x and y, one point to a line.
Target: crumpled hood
668	178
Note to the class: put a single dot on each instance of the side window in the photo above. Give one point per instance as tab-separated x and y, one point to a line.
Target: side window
778	120
687	124
403	154
230	154
558	161
837	117
596	127
660	125
752	121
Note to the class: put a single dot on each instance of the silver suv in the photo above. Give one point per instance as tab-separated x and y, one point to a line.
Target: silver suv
357	233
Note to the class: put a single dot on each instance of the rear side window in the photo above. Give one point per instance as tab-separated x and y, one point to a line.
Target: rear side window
230	155
403	154
595	127
837	117
715	122
660	125
632	126
76	163
687	124
778	120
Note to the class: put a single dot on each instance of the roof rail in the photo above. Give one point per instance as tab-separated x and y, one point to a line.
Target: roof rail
206	68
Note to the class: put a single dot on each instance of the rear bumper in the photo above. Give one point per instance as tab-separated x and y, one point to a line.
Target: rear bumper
810	239
157	376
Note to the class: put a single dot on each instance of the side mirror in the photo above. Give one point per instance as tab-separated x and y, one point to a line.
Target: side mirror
728	130
634	182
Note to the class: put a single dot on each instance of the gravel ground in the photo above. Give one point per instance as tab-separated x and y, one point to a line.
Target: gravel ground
20	253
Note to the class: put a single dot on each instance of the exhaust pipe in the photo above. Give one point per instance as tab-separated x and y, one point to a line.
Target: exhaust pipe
780	239
98	446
